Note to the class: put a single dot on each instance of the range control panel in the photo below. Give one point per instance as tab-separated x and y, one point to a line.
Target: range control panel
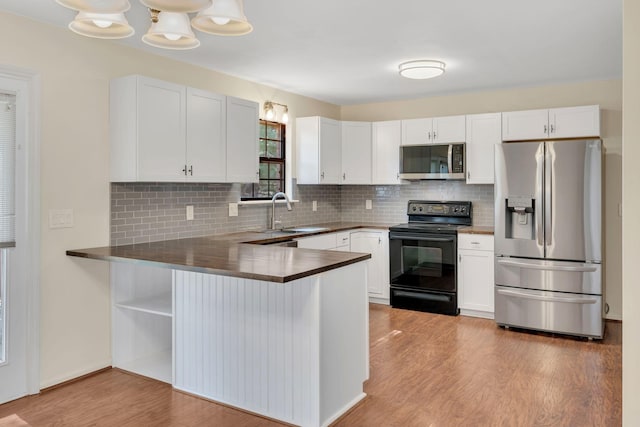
431	208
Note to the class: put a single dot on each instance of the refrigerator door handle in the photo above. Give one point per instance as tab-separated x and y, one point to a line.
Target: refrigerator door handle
539	190
510	293
549	157
579	269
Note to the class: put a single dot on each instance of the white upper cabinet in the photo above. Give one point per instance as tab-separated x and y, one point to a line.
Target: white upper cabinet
437	130
147	130
574	122
318	148
242	140
356	153
386	152
571	122
206	136
164	132
483	132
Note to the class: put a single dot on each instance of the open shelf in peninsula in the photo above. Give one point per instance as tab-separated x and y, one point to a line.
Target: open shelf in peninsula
156	304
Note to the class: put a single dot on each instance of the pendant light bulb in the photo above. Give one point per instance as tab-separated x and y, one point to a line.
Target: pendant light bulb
269	113
102	24
221	20
285	115
172	37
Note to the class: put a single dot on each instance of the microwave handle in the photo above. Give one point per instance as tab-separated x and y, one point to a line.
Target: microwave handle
450	158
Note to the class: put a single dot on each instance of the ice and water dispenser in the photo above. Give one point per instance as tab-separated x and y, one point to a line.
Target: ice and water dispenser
520	217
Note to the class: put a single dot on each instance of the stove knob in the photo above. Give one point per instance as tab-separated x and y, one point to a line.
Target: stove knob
455	210
420	208
413	208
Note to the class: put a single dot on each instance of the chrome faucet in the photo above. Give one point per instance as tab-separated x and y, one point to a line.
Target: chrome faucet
273	208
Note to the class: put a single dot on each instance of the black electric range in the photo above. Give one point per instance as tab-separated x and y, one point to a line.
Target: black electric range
423	256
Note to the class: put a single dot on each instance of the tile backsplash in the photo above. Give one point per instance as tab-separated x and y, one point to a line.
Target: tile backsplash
147	212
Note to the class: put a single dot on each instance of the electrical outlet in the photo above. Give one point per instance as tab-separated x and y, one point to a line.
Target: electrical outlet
367	204
233	209
190	213
314	206
60	218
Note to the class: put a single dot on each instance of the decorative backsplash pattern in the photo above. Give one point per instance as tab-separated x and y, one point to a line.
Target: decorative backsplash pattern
389	202
147	212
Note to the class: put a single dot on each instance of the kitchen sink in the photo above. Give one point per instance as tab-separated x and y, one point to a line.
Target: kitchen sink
278	233
305	229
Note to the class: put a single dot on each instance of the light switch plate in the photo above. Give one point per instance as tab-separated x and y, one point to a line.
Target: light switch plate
190	213
60	218
367	204
233	209
314	206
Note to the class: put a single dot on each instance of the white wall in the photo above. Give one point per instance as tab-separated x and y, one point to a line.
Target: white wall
75	73
608	94
630	222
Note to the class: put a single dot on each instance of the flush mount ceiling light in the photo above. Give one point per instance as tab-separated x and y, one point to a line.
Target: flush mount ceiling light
224	17
421	69
170	22
170	30
270	111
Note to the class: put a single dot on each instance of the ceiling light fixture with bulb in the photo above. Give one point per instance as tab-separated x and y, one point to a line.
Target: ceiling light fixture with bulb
270	111
170	23
421	69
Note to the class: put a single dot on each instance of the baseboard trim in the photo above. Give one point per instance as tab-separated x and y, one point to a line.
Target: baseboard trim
76	379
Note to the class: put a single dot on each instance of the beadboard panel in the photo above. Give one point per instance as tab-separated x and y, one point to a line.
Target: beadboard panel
249	344
296	352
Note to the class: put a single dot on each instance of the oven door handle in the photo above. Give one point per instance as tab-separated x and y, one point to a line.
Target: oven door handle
422	237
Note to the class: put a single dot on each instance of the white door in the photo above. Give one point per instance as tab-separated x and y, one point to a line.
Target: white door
13	286
206	136
372	243
330	151
386	152
448	129
356	153
483	133
161	131
243	125
417	132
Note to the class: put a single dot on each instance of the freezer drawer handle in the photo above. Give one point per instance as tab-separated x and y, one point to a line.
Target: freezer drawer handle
584	269
543	298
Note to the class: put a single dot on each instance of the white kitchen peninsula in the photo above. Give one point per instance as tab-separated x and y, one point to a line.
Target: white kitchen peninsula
281	332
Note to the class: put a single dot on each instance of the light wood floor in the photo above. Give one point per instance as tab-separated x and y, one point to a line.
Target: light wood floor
426	370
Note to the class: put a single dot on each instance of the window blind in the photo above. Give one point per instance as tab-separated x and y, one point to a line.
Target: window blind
7	170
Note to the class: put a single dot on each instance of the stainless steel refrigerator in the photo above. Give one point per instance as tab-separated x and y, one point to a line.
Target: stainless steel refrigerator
548	236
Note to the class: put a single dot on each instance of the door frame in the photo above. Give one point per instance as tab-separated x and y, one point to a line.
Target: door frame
32	217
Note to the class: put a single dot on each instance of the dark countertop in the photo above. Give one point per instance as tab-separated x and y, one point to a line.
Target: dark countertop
231	255
476	229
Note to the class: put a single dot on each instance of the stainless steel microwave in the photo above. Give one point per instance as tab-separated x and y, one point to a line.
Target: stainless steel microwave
433	161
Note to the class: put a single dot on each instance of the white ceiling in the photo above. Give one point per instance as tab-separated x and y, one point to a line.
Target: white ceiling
347	51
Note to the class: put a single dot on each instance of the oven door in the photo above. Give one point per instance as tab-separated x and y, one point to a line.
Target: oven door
422	261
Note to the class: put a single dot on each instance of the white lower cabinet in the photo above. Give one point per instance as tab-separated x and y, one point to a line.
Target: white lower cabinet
475	275
376	243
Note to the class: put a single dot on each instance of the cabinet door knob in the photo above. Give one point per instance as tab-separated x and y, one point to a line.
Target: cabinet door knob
344	176
551	128
468	175
459	258
191	170
184	170
322	175
434	135
429	135
545	129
